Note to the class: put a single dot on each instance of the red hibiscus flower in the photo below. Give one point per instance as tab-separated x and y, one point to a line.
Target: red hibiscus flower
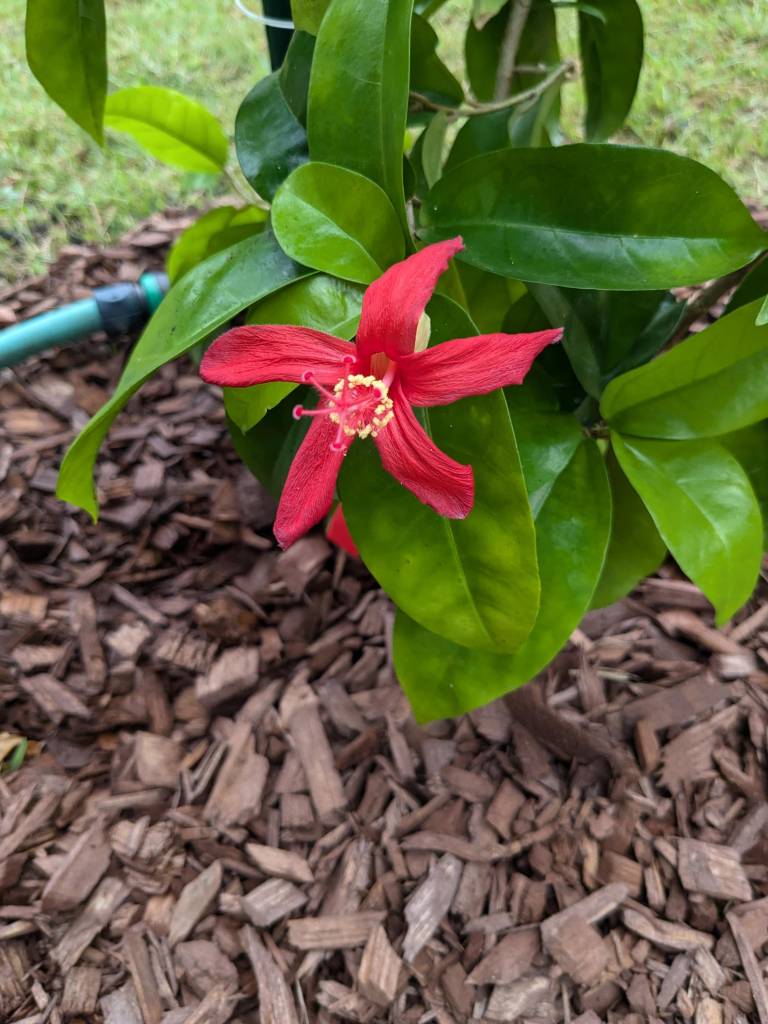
367	388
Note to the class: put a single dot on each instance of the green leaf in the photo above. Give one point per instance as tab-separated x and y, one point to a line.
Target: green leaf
443	679
635	549
762	316
754	286
489	297
484	133
294	74
474	579
214	231
704	509
358	92
319	302
270	142
174	128
712	383
750	448
547	442
433	140
268	449
308	14
429	76
207	297
611	55
337	221
536	394
527	316
248	406
538	45
608	333
618	218
66	43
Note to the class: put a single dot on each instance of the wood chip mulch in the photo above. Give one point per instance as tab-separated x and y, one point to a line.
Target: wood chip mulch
227	812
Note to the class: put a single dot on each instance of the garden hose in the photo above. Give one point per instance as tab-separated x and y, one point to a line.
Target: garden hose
116	309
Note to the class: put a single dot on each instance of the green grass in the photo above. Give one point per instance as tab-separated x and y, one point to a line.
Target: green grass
55	183
702	93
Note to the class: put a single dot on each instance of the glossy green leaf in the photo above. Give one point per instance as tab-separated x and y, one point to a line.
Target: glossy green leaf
618	218
248	406
489	297
358	92
524	316
529	125
536	394
308	14
485	133
319	302
611	56
527	316
171	126
608	333
429	76
547	442
754	286
443	679
538	45
337	221
475	579
294	74
207	297
410	179
268	449
762	316
214	231
270	141
432	142
66	43
750	447
704	509
635	549
712	383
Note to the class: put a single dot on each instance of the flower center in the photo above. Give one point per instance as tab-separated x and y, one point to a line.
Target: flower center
358	404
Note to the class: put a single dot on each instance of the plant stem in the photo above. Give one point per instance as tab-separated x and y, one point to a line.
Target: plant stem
509	47
475	109
706	299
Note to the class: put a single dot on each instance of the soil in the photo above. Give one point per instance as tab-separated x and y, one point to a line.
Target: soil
227	813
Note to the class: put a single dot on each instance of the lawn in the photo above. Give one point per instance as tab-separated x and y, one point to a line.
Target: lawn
703	93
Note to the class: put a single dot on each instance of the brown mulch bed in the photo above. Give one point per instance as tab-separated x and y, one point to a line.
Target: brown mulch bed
228	813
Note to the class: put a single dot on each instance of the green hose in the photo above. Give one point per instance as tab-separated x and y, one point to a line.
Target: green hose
116	309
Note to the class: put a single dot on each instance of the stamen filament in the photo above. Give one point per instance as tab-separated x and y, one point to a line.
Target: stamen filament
358	405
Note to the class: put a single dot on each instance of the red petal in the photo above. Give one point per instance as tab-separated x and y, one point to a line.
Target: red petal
258	354
470	366
308	491
393	304
338	533
412	458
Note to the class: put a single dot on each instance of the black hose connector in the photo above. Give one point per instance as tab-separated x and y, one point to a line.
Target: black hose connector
125	308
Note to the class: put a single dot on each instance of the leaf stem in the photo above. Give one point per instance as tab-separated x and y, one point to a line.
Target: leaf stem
509	47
